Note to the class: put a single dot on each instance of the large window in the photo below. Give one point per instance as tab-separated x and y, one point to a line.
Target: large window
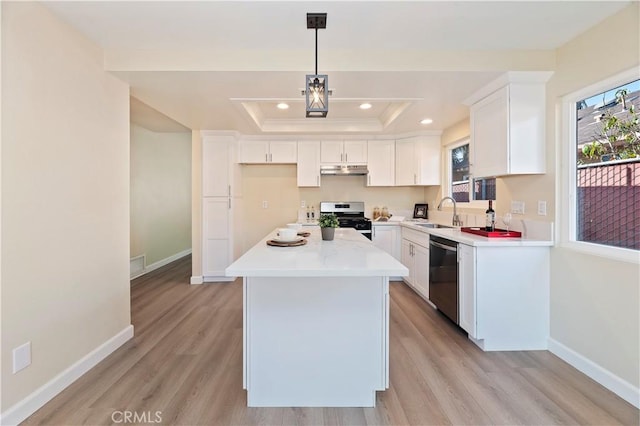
462	187
603	207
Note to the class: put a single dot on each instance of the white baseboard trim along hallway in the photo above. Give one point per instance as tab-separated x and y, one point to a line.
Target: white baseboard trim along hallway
161	263
29	405
615	384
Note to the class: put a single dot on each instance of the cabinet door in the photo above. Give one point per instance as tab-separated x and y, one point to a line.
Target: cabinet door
381	160
467	289
383	237
489	153
421	267
355	152
254	152
309	163
331	152
215	168
427	152
406	259
405	160
216	254
283	152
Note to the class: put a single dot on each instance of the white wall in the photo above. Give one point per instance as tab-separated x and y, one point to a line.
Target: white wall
65	198
160	194
595	302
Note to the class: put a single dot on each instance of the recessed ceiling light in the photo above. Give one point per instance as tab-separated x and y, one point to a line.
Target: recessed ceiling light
282	105
426	121
365	106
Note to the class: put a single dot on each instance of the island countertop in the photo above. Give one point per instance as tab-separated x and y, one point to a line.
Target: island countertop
350	254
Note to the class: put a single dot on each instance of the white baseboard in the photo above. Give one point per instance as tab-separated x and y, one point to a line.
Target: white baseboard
615	384
197	279
32	403
161	263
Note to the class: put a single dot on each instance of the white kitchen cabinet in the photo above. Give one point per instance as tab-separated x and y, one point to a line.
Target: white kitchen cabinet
309	163
267	152
508	131
387	237
219	200
467	288
415	256
343	152
418	161
381	162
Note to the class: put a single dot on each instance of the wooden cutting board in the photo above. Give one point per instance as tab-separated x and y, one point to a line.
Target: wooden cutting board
296	243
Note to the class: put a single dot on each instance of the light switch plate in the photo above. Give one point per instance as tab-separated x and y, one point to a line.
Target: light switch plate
517	207
21	357
265	204
542	208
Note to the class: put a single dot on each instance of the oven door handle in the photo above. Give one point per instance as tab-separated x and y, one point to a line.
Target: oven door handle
442	246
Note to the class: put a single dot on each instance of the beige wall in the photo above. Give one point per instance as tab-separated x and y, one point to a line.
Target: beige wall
65	190
160	193
595	302
277	184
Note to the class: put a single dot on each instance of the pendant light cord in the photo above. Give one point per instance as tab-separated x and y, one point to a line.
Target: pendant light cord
316	50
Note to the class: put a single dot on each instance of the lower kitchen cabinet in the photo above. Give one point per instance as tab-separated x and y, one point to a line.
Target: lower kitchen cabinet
415	256
387	237
504	296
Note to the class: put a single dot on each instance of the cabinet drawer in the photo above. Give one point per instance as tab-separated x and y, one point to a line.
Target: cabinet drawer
416	237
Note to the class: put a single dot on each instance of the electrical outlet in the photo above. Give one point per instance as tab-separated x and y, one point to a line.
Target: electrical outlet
303	204
265	204
542	208
21	357
517	207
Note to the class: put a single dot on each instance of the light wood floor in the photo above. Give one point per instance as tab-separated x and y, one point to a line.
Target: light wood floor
185	362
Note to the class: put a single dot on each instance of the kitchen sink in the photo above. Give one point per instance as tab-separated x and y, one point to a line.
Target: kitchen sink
433	225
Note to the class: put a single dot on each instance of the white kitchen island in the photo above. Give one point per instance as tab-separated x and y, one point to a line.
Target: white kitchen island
316	321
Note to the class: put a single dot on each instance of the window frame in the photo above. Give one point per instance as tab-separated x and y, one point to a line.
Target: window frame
566	172
446	190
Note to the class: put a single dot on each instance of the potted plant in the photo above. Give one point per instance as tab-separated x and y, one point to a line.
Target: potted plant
328	223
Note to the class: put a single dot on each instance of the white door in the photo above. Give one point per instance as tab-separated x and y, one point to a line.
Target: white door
383	237
254	152
489	135
283	152
406	259
216	232
467	289
355	152
309	163
331	152
381	161
421	266
215	168
405	160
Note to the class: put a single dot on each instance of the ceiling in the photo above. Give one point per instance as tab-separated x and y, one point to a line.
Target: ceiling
225	65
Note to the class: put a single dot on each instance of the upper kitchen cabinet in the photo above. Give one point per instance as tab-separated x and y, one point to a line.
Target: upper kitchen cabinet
418	161
267	152
381	163
508	126
309	163
343	152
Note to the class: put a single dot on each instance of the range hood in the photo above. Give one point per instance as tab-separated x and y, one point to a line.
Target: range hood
344	170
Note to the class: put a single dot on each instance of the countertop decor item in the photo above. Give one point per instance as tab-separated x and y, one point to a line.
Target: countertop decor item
294	243
420	211
328	223
496	233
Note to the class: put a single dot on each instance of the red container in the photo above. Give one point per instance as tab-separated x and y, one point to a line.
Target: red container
497	233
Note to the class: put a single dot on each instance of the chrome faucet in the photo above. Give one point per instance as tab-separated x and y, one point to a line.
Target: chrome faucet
455	221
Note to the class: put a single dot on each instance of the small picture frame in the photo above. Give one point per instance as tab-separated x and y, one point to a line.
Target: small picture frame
420	211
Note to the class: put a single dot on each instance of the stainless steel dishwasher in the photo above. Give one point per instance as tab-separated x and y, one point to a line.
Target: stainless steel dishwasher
443	276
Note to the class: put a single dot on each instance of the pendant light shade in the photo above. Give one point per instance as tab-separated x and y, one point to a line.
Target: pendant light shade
316	88
317	95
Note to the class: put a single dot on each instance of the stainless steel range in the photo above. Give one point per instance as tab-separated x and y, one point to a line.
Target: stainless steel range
350	215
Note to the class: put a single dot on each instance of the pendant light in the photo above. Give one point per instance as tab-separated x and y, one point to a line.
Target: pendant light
317	85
